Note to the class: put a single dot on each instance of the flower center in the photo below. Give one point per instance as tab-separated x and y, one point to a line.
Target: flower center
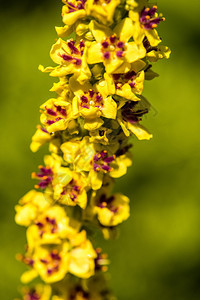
107	202
112	47
55	114
52	262
45	175
121	79
75	52
32	295
148	19
72	189
101	161
47	225
131	114
91	99
75	5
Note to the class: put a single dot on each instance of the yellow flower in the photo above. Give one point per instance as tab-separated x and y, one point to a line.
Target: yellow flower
50	227
51	262
90	104
56	114
74	193
29	206
144	23
61	183
39	292
126	85
113	47
40	137
129	117
73	11
71	58
111	211
81	260
102	10
97	160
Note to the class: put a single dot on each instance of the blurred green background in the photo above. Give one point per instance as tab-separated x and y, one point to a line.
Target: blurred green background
157	254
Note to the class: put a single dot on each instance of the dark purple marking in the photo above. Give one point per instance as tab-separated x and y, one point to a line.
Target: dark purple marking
113	39
106	55
105	44
67	57
120	54
51	112
120	44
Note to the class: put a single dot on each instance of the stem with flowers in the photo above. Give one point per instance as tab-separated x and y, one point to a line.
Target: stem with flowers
103	55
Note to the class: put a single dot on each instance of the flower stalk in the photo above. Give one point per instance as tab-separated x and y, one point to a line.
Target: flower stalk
97	106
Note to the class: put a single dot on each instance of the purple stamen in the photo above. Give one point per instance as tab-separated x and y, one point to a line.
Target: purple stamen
45	171
99	97
96	157
120	44
91	93
132	84
84	99
55	256
120	54
30	262
112	39
51	221
96	167
51	112
73	8
67	57
73	197
73	49
78	61
44	183
105	44
103	154
44	261
76	188
106	168
82	44
44	130
39	224
106	55
49	122
109	159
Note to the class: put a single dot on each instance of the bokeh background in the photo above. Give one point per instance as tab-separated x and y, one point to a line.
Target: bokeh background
157	254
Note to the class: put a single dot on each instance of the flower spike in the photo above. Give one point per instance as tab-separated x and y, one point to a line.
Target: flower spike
98	104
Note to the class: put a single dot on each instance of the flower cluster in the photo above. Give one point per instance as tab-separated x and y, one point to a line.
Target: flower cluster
98	105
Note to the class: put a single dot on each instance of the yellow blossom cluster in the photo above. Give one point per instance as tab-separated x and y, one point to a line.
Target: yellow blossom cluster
103	55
